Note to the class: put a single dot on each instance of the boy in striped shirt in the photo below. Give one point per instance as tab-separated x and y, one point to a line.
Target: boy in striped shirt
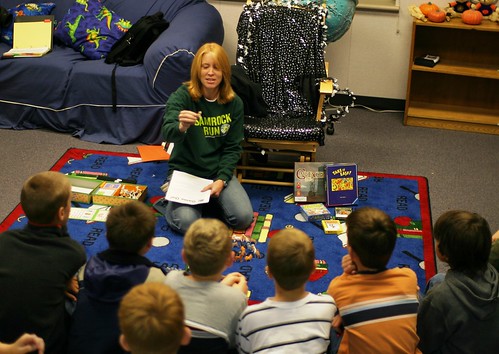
293	320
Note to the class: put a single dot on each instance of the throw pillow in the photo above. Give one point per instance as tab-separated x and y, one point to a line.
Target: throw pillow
27	9
91	28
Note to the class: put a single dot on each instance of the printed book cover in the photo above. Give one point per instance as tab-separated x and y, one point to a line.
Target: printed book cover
315	211
309	182
341	184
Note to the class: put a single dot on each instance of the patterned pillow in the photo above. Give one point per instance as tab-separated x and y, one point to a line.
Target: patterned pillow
27	9
91	28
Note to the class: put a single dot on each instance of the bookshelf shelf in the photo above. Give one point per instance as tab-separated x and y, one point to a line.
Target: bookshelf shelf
460	92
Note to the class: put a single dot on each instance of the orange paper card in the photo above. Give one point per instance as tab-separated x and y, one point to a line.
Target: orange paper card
152	153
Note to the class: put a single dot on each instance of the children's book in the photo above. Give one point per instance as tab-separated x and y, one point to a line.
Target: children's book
32	37
309	182
341	184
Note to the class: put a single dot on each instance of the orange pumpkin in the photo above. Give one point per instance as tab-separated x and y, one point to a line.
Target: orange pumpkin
472	17
427	7
436	16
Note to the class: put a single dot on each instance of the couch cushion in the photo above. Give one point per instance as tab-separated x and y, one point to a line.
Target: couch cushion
25	9
91	28
44	79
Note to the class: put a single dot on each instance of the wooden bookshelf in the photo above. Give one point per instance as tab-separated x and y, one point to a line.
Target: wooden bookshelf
461	91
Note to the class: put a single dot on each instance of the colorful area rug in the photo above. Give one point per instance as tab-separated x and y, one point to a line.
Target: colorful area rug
404	198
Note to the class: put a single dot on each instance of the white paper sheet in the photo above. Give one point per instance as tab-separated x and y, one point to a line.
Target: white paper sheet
186	189
93	213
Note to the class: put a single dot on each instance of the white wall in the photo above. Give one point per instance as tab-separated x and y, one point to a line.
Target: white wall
371	59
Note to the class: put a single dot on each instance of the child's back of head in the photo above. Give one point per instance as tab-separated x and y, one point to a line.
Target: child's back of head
151	318
207	246
291	258
466	300
130	226
372	235
463	240
43	194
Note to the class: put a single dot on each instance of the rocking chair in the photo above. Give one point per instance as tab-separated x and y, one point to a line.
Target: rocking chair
281	48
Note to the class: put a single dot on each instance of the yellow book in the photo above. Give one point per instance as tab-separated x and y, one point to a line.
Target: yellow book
32	37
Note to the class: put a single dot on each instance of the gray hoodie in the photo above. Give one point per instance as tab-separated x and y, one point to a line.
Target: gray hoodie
461	315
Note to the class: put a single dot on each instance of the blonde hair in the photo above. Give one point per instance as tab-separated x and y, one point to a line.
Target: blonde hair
207	245
151	318
291	258
43	194
195	87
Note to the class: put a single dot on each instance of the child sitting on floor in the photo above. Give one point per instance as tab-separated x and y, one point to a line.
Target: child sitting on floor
461	314
294	320
377	306
213	302
109	275
38	263
151	319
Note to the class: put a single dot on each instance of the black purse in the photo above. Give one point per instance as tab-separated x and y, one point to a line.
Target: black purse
5	17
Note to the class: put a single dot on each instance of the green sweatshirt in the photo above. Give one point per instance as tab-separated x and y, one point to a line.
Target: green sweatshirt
210	148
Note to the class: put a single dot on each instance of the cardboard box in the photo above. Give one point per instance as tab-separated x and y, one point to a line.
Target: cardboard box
82	189
315	211
341	184
112	193
331	226
309	182
90	190
342	212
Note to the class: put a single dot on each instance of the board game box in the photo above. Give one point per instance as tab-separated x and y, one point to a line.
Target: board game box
342	212
315	211
309	182
341	184
332	226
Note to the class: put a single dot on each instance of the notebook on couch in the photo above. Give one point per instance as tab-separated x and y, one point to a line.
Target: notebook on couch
32	36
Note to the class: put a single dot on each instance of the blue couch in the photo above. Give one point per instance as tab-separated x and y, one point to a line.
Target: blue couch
66	92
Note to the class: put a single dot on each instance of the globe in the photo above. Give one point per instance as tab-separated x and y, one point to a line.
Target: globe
339	16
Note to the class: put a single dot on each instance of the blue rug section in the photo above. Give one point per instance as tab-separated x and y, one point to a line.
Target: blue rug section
396	195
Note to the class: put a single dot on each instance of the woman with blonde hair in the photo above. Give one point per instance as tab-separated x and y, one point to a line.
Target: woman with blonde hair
204	120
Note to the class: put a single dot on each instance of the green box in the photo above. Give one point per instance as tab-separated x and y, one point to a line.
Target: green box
82	188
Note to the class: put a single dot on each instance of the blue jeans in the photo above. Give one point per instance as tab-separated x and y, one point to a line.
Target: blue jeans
233	204
335	341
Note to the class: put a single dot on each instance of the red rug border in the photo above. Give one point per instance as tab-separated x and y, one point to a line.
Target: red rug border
428	247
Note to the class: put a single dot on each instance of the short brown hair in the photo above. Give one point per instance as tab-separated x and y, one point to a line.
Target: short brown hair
130	226
291	258
465	239
207	245
194	85
372	235
43	194
151	318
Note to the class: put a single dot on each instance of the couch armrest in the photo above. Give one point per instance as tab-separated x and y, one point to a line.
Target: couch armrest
168	60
